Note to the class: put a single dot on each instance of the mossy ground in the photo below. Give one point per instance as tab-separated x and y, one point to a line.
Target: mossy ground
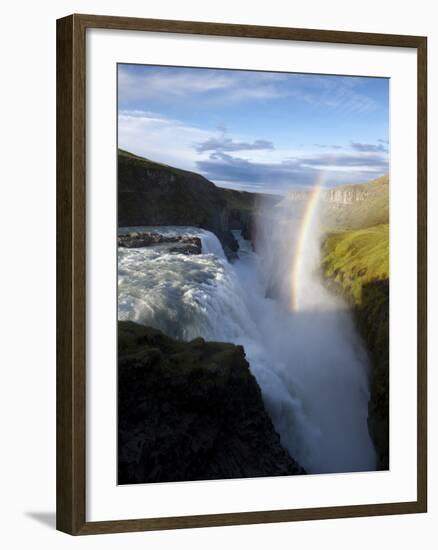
355	258
357	265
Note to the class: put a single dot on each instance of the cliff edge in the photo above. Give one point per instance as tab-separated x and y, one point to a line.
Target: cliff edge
150	193
191	411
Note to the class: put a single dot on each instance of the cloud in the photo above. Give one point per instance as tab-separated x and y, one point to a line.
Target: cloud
367	162
323	146
221	86
211	84
368	147
159	138
280	177
132	85
228	144
341	94
145	116
244	163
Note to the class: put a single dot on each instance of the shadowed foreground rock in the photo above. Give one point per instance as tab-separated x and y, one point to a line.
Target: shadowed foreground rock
191	411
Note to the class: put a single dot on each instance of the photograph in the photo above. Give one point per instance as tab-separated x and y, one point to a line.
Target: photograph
253	273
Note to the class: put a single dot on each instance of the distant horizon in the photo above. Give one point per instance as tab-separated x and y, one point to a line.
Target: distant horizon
293	189
265	132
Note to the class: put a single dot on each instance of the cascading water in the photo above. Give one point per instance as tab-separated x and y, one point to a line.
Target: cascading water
326	362
309	363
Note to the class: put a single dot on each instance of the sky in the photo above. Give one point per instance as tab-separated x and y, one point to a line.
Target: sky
256	131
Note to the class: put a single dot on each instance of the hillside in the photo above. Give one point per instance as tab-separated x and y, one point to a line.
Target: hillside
356	264
352	206
354	258
358	206
150	193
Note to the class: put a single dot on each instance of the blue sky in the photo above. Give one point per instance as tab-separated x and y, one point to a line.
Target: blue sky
256	131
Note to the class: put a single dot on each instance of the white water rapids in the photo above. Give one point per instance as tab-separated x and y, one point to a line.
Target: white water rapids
310	365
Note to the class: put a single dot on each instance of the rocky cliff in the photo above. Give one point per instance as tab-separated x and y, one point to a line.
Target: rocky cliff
351	206
356	265
150	193
191	411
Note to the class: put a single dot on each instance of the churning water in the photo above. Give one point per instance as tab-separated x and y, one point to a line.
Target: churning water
310	364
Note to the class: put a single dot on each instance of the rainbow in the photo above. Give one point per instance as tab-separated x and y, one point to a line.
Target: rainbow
302	235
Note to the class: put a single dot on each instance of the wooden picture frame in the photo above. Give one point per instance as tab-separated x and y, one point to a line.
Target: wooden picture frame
71	273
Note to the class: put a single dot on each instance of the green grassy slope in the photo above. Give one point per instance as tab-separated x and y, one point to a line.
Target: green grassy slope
355	258
356	264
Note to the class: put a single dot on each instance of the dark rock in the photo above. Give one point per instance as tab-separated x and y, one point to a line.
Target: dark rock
188	249
372	320
155	194
372	317
150	193
191	411
182	244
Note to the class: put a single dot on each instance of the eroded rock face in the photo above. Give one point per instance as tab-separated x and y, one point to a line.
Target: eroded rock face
373	322
150	193
179	244
191	411
349	206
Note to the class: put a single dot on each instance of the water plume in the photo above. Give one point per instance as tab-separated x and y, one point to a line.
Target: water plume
308	360
326	362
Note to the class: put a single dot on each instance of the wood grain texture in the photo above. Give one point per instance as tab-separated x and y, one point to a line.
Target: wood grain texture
247	518
64	272
71	232
422	275
71	269
247	31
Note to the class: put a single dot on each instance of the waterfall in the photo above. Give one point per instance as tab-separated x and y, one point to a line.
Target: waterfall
309	364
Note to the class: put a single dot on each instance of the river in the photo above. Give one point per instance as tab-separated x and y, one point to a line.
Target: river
310	364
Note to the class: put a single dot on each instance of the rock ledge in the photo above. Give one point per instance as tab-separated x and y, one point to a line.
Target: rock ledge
191	411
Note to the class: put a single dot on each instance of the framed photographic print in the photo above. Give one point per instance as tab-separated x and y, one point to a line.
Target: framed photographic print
241	274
